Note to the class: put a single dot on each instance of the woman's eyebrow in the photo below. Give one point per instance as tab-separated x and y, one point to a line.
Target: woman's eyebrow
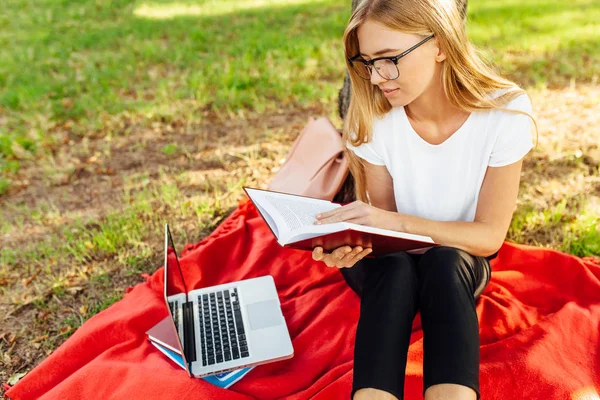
380	52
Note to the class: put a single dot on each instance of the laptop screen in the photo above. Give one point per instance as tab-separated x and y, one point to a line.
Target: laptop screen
174	284
174	278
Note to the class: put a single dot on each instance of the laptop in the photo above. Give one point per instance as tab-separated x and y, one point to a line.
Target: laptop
221	328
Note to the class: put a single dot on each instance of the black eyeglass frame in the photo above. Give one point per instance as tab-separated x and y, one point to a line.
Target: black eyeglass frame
370	63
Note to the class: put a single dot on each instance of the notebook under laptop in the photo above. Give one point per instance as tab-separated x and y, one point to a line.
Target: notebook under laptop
223	327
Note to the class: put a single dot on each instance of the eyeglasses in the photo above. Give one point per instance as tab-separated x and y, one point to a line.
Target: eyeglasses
386	67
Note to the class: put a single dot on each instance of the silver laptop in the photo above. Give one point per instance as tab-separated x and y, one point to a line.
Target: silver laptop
224	327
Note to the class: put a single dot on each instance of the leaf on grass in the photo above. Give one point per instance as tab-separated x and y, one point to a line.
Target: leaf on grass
40	338
27	281
74	289
20	153
43	315
105	171
67	103
12	339
65	329
12	381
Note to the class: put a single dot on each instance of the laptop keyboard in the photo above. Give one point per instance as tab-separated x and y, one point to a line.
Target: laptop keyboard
174	306
222	332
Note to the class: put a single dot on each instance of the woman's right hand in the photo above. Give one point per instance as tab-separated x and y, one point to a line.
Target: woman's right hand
342	257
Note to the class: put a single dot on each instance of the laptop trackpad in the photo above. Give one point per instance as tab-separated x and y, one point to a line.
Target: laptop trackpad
264	314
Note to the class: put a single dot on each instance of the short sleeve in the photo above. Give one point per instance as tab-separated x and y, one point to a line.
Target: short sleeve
367	152
514	138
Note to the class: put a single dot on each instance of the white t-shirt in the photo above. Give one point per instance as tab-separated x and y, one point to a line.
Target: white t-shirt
442	182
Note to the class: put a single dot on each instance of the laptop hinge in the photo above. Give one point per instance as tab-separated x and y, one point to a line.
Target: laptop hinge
189	336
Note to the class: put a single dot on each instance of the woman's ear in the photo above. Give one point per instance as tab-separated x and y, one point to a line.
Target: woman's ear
440	54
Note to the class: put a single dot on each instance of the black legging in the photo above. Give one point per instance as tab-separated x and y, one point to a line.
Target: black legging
444	284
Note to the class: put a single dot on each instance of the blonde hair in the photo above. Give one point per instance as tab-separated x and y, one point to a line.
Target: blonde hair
467	80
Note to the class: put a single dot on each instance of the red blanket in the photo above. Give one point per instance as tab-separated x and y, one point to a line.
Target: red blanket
539	321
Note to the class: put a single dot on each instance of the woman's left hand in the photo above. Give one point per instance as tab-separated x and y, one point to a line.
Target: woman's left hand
356	212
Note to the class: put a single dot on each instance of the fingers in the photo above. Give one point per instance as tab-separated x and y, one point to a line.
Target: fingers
320	255
353	257
342	257
317	253
359	256
334	259
344	213
340	252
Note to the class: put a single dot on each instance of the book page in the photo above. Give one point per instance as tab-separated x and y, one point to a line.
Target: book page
269	219
290	212
298	213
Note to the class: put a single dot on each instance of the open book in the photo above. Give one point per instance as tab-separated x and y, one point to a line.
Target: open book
291	219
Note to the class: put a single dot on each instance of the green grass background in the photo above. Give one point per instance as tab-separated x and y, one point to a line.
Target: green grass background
79	60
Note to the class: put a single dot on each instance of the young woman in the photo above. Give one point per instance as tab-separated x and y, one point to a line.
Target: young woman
436	140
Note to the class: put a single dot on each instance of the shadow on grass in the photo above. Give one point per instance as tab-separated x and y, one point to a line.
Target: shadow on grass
576	62
540	42
113	60
86	60
116	57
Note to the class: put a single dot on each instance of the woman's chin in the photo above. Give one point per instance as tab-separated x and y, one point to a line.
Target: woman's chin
398	101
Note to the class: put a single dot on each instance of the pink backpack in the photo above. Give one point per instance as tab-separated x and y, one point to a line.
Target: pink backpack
316	165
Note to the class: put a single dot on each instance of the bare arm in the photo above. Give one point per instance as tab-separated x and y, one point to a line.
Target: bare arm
380	187
483	236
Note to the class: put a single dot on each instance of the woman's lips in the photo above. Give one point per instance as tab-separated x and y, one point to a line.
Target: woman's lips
387	93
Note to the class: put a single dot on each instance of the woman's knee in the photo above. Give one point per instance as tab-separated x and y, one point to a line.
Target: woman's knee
396	266
446	265
441	255
396	269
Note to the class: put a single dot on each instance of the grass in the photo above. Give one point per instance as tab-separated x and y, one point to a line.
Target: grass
110	58
3	185
196	87
539	42
169	149
89	61
121	236
569	224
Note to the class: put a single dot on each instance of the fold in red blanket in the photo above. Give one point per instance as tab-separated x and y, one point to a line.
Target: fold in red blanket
539	322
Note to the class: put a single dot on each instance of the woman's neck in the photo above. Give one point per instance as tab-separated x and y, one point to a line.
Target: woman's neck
432	106
433	117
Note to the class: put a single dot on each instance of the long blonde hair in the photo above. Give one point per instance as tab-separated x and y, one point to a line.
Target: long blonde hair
467	80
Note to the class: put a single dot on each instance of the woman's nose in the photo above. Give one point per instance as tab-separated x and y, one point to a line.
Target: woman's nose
376	79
